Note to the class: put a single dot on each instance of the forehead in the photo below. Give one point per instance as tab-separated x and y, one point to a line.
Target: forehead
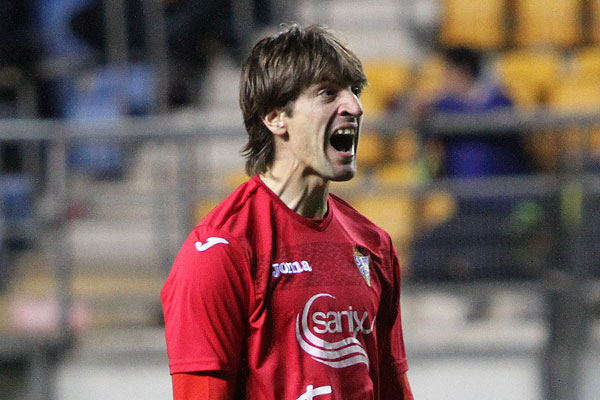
314	88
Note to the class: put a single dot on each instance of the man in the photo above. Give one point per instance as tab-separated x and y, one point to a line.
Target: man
465	91
454	250
284	291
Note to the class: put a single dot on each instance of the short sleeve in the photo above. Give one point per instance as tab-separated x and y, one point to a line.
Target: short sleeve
205	302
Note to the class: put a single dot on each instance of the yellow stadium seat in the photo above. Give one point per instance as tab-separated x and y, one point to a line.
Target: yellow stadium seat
405	147
548	22
234	179
586	62
436	207
474	23
395	214
203	207
429	76
370	149
408	174
594	13
576	94
387	79
530	75
526	95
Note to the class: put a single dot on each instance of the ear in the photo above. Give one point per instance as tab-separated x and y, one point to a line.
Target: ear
275	122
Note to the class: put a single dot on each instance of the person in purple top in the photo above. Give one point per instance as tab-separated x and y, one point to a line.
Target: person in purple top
478	242
465	91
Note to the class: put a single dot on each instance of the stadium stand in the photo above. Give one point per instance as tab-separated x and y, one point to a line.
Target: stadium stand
530	75
536	55
474	23
585	62
548	22
3	253
402	166
394	213
399	175
387	79
371	149
593	17
405	146
429	75
489	238
576	94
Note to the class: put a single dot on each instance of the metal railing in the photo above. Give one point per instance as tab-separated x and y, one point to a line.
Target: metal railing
565	285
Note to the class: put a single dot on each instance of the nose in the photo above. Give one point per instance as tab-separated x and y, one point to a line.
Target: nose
350	103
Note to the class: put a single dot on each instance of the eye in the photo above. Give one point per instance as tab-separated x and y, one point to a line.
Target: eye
357	90
327	92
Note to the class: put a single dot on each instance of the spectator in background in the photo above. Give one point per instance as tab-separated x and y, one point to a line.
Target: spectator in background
464	90
195	32
18	55
18	52
476	242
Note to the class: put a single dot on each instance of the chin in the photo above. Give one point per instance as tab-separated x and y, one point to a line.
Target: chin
344	177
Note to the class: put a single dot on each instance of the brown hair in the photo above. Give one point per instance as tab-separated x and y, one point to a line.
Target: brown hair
277	70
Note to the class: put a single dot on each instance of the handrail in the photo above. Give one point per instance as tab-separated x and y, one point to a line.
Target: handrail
202	123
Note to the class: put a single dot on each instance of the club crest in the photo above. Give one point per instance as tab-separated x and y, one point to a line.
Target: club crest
362	262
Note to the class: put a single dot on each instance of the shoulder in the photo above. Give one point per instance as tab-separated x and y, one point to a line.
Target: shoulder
220	234
245	218
498	97
231	207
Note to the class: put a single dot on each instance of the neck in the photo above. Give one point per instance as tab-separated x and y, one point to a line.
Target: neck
305	194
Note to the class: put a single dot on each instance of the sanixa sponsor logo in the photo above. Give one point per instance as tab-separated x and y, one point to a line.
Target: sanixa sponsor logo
347	323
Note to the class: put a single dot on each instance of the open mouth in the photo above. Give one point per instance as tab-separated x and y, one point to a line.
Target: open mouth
343	139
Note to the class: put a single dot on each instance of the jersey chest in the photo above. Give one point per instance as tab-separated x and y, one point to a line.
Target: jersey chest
317	294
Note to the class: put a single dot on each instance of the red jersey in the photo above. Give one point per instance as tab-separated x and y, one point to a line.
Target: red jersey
298	308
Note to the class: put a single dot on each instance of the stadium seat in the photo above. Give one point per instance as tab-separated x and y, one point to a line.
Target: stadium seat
435	208
529	75
203	207
548	22
474	23
400	175
233	179
576	94
405	147
387	79
403	167
394	213
594	19
429	76
370	149
586	62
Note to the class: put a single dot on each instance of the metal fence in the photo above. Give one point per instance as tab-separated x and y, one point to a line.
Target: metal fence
559	255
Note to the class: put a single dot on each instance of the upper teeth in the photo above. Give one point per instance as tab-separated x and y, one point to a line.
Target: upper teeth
345	131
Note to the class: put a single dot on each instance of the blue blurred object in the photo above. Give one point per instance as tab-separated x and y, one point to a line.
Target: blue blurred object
17	210
3	261
103	94
17	197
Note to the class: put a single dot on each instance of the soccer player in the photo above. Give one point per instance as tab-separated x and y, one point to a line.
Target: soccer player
284	291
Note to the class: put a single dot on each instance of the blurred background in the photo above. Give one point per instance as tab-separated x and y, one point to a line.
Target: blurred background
479	154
